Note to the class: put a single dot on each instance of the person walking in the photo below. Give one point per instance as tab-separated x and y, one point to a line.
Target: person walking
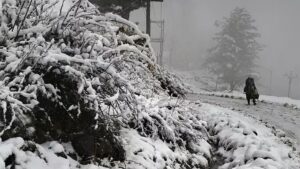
251	91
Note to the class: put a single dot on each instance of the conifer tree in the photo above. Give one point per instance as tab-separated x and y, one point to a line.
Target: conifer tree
233	57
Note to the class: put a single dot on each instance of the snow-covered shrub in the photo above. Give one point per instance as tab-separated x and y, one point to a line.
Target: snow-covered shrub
74	75
169	134
26	154
242	146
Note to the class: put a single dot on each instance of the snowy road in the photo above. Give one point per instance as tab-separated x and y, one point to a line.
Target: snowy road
272	115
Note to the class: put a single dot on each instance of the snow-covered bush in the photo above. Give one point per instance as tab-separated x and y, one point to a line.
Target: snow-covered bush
74	75
169	135
244	146
77	86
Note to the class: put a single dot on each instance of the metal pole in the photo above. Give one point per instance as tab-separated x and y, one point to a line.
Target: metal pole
216	89
148	18
162	42
271	74
290	83
291	76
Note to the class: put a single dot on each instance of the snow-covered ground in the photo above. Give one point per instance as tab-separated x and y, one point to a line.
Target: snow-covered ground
218	135
202	82
197	80
284	121
247	143
285	101
280	114
243	142
157	131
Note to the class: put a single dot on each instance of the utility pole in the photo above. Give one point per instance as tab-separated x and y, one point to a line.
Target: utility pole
161	23
291	76
160	40
148	17
216	88
271	74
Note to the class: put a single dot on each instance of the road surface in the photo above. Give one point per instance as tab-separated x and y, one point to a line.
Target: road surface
273	115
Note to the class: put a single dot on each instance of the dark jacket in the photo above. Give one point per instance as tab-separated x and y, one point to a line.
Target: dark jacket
250	88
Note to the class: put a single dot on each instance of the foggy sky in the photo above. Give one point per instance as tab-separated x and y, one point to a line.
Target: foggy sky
189	28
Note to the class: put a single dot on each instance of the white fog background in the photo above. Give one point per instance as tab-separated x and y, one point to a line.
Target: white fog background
189	28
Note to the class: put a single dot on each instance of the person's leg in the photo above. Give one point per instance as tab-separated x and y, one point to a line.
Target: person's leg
254	101
248	99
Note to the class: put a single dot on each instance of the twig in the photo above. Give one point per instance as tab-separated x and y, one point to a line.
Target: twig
24	58
61	7
23	19
92	49
79	3
18	16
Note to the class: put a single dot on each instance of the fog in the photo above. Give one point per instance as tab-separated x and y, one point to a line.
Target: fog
189	28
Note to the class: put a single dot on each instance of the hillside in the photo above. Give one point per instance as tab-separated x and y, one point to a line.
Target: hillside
81	89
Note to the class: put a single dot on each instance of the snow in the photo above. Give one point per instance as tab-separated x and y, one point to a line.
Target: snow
278	118
27	159
54	146
142	151
247	143
285	101
167	132
202	82
92	166
284	121
242	141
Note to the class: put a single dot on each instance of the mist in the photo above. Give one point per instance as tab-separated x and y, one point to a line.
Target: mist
190	27
82	87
